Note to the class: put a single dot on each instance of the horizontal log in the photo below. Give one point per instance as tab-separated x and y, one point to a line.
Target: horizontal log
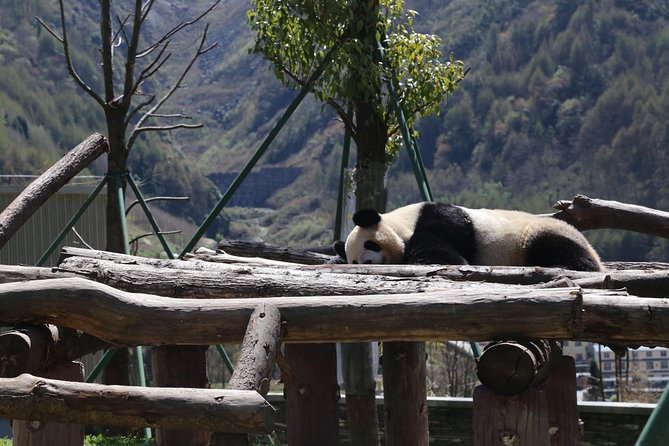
28	397
293	255
166	277
15	273
197	279
586	213
127	319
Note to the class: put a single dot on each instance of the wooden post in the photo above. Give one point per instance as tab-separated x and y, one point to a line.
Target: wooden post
405	393
312	393
40	433
360	385
517	420
180	366
256	362
563	418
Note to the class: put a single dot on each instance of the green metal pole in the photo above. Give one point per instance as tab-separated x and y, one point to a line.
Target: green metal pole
259	153
415	156
149	216
139	355
226	358
421	179
421	165
656	430
72	222
342	170
121	208
99	367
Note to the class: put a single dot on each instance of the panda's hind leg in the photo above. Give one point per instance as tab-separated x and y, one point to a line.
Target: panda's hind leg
554	249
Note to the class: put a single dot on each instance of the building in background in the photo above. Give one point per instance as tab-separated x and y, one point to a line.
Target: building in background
37	234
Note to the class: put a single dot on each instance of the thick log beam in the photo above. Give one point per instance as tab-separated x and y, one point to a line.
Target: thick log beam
47	184
125	319
166	277
591	213
34	348
29	397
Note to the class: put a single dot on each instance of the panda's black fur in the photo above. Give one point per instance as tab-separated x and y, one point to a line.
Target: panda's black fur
438	233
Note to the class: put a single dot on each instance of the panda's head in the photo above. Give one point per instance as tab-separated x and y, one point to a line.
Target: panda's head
373	240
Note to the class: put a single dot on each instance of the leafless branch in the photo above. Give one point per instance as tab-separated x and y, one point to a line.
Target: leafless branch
148	200
163	128
152	68
173	115
138	108
121	27
176	29
149	234
138	20
68	59
81	239
348	121
49	30
140	127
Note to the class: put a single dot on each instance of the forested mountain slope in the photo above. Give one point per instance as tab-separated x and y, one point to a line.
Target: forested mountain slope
563	97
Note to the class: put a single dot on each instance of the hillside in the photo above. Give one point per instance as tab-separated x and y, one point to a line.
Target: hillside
563	97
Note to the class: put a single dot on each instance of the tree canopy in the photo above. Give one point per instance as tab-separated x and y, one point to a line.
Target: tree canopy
296	35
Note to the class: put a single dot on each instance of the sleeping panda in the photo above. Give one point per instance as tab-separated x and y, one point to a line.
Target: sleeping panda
438	233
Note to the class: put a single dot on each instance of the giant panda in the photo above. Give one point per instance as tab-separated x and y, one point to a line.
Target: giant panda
439	233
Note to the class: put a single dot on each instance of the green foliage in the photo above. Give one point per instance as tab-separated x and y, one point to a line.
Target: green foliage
296	35
563	97
101	440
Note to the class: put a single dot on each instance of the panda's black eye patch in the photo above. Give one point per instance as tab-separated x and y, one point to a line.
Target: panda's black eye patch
372	246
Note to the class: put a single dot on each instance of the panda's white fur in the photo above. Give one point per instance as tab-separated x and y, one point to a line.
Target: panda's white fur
500	237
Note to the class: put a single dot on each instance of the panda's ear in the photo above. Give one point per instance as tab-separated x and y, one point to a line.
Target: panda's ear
366	218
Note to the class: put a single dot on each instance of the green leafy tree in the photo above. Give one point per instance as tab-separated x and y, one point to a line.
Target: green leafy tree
372	52
296	35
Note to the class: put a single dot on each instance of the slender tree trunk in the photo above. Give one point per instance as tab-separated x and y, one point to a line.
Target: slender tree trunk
370	192
116	164
117	370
